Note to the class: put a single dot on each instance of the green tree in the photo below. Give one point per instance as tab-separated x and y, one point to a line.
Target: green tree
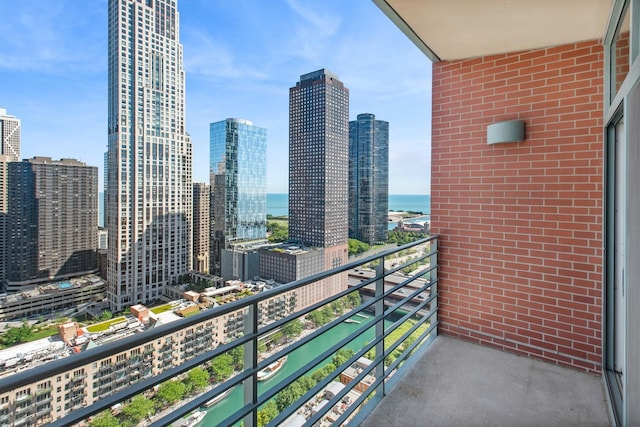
316	317
171	392
106	315
222	367
341	356
289	395
354	299
357	247
105	419
237	355
22	333
268	412
197	379
292	329
139	408
278	231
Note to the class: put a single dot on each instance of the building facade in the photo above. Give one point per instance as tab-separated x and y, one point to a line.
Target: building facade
201	226
52	221
149	157
9	152
368	179
318	169
238	168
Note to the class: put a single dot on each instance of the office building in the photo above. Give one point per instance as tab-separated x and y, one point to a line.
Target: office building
52	221
368	179
201	226
149	191
9	152
238	170
318	169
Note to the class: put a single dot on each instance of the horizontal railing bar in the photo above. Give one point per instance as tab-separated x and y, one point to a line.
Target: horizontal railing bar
267	395
327	380
60	366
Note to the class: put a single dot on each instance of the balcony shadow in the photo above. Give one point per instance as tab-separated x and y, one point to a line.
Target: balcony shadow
458	383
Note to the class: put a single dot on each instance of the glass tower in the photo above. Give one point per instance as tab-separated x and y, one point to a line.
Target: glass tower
238	156
149	192
368	179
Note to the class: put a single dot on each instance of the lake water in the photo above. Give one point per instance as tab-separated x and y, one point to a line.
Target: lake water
278	203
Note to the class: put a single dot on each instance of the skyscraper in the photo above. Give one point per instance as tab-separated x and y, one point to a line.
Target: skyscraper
201	226
9	152
149	193
368	179
318	168
9	136
238	156
53	221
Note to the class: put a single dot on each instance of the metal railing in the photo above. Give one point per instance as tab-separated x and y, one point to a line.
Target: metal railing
408	302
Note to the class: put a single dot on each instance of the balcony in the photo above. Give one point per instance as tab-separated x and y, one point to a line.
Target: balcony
413	377
458	383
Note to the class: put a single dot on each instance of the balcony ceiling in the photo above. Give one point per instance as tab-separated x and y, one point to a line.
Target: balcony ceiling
459	29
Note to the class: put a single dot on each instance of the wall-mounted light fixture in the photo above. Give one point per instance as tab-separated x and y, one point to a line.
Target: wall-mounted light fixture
509	131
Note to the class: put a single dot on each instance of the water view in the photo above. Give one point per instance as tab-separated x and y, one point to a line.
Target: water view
296	360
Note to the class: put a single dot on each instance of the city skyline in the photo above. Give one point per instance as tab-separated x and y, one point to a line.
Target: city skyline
239	60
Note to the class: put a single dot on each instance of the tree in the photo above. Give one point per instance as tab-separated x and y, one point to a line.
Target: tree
17	335
341	356
357	247
316	317
171	392
222	367
139	408
268	412
197	379
354	299
105	419
237	354
277	231
106	315
292	329
289	395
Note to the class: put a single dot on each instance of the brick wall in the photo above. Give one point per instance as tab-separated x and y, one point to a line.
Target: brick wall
521	223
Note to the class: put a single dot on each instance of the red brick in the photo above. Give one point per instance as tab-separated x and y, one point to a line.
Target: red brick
521	223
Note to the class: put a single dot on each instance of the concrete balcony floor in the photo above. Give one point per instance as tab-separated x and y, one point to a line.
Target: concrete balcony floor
458	383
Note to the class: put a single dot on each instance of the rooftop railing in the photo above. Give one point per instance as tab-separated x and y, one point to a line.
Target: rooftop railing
396	320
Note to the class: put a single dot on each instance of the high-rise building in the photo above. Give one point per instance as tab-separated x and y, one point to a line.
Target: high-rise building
238	170
9	136
201	226
149	191
368	179
318	171
52	222
9	152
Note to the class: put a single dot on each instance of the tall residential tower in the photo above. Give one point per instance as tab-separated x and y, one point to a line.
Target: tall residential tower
368	179
9	152
149	191
53	221
238	156
318	170
201	226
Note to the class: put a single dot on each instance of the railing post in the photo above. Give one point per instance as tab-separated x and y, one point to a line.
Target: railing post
251	362
379	312
433	278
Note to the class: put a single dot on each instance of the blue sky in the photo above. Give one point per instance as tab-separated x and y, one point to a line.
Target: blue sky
241	57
